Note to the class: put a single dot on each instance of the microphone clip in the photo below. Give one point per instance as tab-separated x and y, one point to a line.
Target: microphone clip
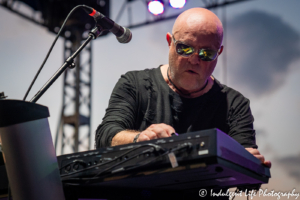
96	32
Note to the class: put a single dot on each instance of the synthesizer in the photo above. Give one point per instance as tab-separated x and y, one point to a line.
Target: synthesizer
202	159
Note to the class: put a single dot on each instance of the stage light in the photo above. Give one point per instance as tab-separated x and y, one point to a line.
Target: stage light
177	3
156	7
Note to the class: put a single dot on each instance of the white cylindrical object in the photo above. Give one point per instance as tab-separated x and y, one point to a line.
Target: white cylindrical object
30	160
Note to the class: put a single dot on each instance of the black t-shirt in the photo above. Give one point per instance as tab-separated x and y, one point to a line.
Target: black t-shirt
142	98
190	110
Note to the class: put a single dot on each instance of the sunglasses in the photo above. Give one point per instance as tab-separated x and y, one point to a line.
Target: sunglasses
186	51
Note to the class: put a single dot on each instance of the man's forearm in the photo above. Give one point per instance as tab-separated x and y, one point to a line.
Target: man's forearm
124	137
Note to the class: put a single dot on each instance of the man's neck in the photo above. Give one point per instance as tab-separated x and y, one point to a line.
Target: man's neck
192	94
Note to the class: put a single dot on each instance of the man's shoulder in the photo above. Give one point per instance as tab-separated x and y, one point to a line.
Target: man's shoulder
139	76
231	93
141	72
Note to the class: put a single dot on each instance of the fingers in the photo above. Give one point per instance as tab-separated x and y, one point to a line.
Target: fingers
156	131
257	154
147	135
268	163
253	151
162	130
261	158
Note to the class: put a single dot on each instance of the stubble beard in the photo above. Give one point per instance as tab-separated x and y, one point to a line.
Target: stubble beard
182	82
177	78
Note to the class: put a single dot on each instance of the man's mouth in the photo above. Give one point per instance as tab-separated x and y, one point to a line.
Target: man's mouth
191	71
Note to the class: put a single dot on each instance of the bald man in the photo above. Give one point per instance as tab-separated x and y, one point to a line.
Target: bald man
181	96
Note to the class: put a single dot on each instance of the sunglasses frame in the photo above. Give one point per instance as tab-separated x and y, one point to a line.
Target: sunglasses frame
198	52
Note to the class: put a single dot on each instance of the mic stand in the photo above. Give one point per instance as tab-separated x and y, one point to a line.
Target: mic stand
94	33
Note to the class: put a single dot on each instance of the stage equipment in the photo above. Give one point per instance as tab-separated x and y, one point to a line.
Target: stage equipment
175	165
28	152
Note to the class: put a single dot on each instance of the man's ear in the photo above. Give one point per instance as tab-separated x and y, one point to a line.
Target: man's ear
221	50
169	38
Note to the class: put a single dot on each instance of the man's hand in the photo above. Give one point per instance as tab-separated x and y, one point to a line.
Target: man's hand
156	131
256	153
152	132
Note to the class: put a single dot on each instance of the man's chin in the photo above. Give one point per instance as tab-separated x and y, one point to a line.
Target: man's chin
188	88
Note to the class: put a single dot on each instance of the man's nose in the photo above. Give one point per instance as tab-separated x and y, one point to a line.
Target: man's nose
194	58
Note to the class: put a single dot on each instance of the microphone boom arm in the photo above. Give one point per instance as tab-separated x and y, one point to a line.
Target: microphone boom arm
94	33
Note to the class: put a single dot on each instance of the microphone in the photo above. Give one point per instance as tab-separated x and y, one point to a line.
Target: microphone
123	34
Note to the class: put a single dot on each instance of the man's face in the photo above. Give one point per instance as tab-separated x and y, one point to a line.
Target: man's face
190	73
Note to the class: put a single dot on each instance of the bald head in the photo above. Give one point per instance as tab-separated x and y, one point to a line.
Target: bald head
199	21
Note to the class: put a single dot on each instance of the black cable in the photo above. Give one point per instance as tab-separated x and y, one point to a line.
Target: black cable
98	165
46	58
167	152
102	163
96	176
156	158
141	165
117	164
124	161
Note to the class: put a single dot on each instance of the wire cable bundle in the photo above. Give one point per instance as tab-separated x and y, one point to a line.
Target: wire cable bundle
113	169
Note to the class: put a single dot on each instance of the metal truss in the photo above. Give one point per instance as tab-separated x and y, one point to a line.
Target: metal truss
16	7
74	130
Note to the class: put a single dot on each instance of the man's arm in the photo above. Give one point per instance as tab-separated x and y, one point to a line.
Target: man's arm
240	121
119	123
124	137
121	112
154	131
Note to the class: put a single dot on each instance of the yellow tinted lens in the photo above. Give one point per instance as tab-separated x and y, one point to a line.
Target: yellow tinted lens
207	55
188	50
184	50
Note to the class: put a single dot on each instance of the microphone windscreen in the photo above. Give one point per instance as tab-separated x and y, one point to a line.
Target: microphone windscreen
126	37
